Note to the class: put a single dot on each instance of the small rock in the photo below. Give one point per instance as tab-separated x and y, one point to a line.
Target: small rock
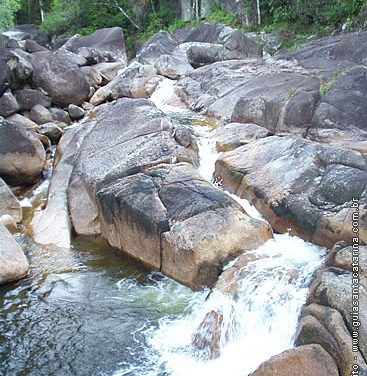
60	115
52	130
87	106
183	136
8	104
75	112
12	43
40	114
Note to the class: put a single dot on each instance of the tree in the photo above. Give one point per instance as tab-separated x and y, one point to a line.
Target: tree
8	9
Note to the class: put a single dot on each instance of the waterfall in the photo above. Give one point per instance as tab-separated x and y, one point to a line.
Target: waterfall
260	319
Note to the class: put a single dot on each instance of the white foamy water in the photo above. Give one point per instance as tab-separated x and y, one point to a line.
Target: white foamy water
259	321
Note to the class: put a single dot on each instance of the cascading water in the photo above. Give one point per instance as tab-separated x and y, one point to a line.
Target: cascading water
260	320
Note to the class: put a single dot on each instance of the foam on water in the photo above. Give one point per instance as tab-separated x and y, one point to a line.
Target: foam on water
259	324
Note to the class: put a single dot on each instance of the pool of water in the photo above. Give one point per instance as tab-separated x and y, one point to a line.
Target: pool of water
83	312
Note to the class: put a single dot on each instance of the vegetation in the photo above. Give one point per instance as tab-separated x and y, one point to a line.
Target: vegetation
292	20
8	9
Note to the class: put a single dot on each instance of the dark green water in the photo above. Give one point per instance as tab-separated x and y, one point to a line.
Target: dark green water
83	312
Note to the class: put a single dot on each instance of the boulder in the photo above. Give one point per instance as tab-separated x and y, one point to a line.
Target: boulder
28	98
9	205
60	78
60	115
31	46
52	130
75	112
108	71
135	81
72	57
342	107
234	41
5	75
22	156
40	114
8	104
172	67
104	45
325	326
327	56
12	43
51	226
21	67
199	54
311	360
162	43
138	188
23	122
300	186
13	263
334	316
250	91
93	78
233	135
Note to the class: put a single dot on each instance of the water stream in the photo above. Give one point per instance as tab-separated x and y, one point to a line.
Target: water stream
87	311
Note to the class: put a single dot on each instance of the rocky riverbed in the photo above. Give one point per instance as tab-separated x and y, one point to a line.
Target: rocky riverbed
287	133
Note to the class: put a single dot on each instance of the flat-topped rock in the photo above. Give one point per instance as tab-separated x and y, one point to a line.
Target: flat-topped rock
301	186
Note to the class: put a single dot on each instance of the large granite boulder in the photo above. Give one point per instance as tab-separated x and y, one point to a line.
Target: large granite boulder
172	66
60	78
51	226
300	186
135	185
135	81
327	56
159	44
233	135
13	263
22	156
341	113
233	40
103	45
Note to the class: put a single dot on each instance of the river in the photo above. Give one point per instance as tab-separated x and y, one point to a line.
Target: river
89	311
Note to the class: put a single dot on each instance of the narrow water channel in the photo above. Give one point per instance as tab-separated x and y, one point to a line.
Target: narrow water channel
88	311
